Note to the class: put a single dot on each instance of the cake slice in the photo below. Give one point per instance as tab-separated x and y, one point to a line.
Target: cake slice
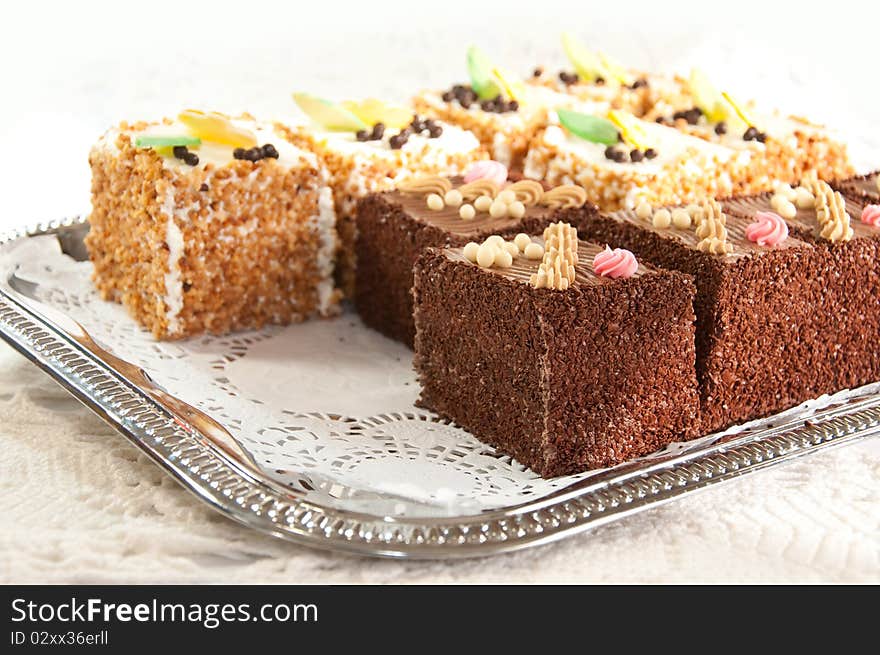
846	228
207	223
624	161
864	187
782	147
503	111
565	362
760	339
395	226
367	147
594	76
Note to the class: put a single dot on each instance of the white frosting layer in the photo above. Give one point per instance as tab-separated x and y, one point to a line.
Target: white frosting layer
537	99
214	153
453	141
671	145
325	224
173	297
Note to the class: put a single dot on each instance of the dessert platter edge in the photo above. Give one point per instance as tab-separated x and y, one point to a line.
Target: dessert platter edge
203	457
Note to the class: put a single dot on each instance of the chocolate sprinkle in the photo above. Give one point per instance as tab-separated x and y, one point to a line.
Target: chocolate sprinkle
753	134
692	115
257	153
182	153
464	95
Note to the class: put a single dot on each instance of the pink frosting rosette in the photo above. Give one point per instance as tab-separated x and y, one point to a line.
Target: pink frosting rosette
617	263
488	169
871	215
768	229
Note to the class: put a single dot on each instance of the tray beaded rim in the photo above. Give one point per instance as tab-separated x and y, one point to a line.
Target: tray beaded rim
191	457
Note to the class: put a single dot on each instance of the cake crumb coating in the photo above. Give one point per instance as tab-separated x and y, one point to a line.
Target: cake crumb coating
214	249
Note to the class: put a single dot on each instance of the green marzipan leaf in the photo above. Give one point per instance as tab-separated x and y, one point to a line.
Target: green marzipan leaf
590	128
164	140
480	72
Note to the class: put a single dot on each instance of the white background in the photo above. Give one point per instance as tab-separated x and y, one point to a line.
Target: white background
71	69
82	506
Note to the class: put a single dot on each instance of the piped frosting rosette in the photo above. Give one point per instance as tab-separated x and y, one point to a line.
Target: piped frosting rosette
871	215
768	229
486	170
614	264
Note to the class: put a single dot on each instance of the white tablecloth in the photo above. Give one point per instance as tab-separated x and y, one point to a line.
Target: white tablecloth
81	505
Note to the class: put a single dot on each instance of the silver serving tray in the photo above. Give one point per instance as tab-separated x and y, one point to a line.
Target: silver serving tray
198	452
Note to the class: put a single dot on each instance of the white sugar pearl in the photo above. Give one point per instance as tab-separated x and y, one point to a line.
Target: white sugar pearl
662	219
681	219
467	212
534	251
776	199
512	248
496	240
497	209
644	210
786	209
804	199
786	192
435	202
522	241
470	251
516	209
506	197
453	198
483	203
503	259
486	255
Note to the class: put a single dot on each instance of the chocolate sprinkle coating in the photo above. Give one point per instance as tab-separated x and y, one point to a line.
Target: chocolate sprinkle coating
544	375
764	316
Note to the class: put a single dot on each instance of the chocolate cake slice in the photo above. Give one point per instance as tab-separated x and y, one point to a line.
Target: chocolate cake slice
561	380
394	227
863	187
761	344
847	303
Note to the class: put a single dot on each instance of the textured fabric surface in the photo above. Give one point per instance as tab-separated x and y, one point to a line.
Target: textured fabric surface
81	505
